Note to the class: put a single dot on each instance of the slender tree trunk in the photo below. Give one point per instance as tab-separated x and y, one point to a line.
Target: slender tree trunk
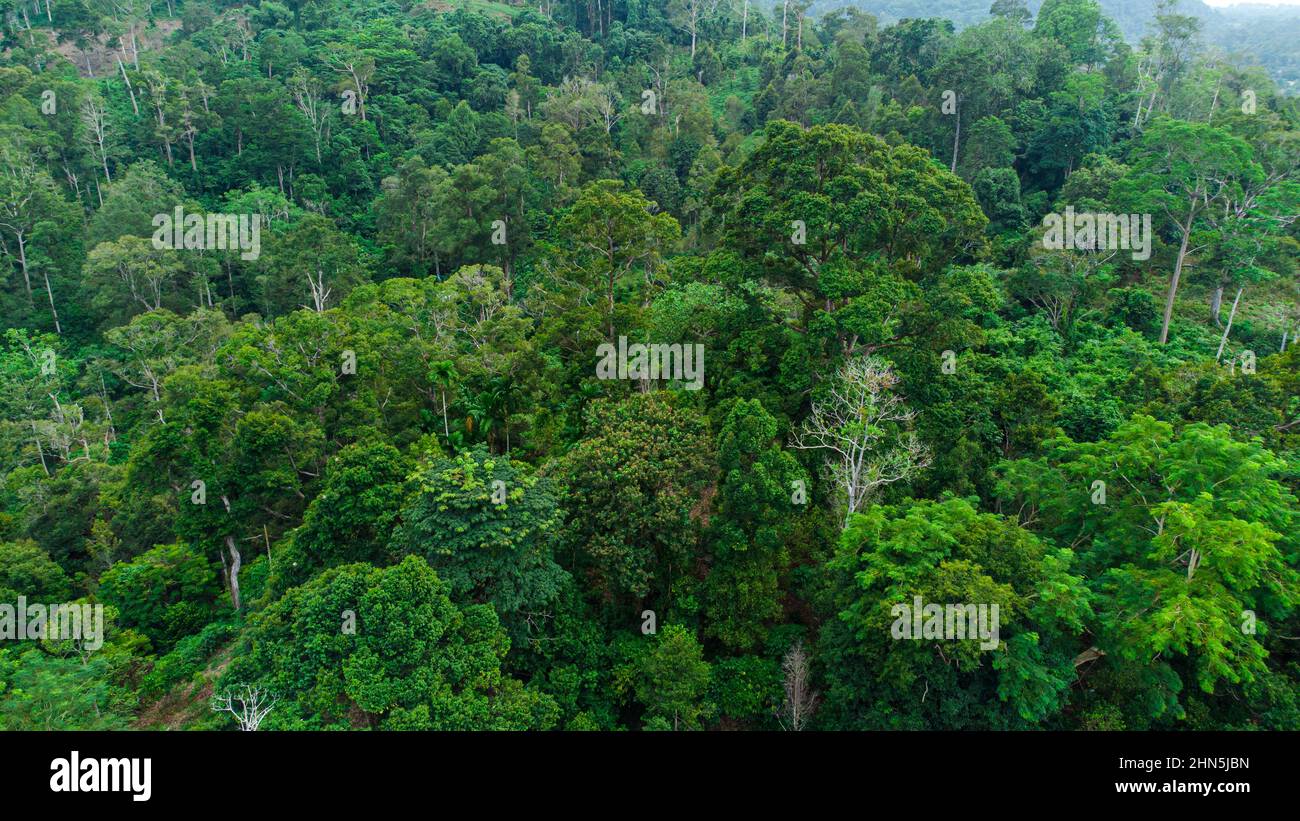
232	575
1223	340
50	294
235	561
22	263
609	301
1173	282
122	66
39	450
956	140
72	179
1151	104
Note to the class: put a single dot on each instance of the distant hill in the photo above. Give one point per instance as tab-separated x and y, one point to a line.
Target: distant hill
1133	16
1268	36
1264	35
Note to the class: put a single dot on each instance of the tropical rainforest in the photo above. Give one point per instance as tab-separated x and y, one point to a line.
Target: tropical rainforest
628	364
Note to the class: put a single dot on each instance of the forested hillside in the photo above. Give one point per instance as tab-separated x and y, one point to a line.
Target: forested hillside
1264	34
644	365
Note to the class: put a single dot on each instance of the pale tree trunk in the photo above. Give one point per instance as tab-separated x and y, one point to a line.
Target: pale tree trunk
695	24
361	93
800	698
254	705
319	292
96	119
852	425
235	561
1178	273
1223	340
129	90
39	449
72	180
956	140
50	294
22	262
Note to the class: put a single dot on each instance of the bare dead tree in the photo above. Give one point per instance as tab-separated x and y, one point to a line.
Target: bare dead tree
249	706
800	697
659	84
157	84
688	15
135	106
241	36
307	98
320	292
189	126
608	105
579	102
18	174
865	426
355	68
21	180
95	117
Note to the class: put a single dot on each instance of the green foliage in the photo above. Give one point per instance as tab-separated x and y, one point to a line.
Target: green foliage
755	503
44	692
746	689
486	526
390	414
672	680
948	553
187	659
26	570
352	517
360	646
1194	540
634	488
167	592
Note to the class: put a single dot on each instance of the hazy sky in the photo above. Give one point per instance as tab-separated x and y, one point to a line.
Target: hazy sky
1264	2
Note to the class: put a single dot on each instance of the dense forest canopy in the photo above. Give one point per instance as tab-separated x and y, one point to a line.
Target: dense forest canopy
631	364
